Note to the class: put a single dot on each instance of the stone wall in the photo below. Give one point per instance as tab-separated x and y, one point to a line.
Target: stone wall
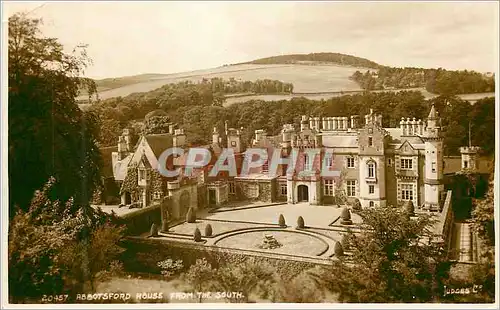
264	191
142	255
140	221
182	199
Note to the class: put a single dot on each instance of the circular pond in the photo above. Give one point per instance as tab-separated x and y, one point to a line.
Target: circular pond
283	242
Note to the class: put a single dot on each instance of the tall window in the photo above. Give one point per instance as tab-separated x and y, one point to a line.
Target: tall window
232	188
351	188
466	164
372	204
306	162
406	163
350	162
328	187
433	166
371	189
283	189
371	170
406	191
370	141
142	174
329	161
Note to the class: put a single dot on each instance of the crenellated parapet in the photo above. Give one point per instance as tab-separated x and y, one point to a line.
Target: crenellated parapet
470	149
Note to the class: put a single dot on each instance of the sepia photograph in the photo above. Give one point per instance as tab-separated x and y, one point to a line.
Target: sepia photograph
191	154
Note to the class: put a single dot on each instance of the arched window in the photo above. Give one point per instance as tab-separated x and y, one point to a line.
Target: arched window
371	169
372	204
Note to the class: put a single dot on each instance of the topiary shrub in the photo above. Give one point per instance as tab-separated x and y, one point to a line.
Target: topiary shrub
300	222
164	226
197	235
356	205
281	221
208	230
410	208
154	230
191	216
345	217
338	249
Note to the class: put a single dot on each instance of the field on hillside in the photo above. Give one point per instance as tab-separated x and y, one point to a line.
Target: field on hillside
305	78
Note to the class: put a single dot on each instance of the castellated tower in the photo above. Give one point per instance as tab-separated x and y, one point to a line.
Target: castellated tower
433	182
470	158
215	136
234	140
372	178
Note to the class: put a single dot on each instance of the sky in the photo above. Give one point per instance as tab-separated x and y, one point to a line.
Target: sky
129	38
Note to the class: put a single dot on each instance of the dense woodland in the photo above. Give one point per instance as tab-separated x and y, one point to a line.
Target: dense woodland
336	58
438	81
197	109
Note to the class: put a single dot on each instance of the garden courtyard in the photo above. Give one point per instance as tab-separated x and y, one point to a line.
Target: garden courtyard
255	228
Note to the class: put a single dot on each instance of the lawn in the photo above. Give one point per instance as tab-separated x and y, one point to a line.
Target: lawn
317	216
291	242
217	227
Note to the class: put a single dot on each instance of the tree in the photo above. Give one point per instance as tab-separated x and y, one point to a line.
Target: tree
393	259
200	276
48	134
300	289
247	277
483	217
54	250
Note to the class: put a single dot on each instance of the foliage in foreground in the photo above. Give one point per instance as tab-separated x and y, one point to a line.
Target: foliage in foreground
53	250
391	261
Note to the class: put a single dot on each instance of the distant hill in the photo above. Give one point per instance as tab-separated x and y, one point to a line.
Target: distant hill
305	78
312	58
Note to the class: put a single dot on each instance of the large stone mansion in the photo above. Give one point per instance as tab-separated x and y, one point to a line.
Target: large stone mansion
379	166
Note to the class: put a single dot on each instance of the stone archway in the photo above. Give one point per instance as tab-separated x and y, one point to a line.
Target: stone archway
128	198
302	193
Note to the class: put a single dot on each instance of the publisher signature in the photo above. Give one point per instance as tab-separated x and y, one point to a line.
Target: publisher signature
476	288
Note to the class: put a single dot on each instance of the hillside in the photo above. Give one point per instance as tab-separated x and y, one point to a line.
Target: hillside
317	58
305	78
